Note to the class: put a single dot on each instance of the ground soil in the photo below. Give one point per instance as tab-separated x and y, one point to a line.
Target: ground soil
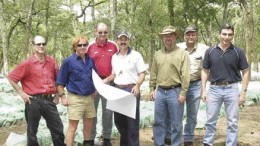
249	130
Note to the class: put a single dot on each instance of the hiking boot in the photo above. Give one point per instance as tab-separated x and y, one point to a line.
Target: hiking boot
106	142
88	143
188	143
167	141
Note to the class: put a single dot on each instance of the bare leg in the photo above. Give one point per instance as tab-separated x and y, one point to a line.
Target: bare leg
73	125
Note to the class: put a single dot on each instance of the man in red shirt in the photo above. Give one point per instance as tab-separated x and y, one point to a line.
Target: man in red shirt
102	50
37	75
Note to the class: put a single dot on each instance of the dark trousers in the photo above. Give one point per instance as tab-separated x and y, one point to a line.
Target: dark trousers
33	112
128	127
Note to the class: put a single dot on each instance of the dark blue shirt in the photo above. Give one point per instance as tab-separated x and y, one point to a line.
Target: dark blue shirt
76	75
225	66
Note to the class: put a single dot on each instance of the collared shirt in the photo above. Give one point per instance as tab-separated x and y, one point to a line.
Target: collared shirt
127	67
102	56
196	58
225	66
76	75
36	77
170	69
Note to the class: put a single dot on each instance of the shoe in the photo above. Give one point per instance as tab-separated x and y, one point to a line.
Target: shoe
167	141
106	142
88	143
188	143
206	144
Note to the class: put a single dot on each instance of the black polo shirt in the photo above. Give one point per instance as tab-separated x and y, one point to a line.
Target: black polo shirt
225	66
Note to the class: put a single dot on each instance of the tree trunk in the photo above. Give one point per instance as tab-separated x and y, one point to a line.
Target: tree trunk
93	10
29	28
171	11
4	37
113	12
47	19
248	11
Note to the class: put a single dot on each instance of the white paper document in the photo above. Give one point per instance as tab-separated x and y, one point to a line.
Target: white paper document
117	100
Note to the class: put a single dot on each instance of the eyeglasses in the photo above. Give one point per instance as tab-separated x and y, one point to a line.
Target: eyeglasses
80	45
102	32
40	44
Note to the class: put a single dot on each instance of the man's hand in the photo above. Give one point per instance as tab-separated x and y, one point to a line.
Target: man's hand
152	95
136	90
242	98
181	99
64	101
204	96
56	98
93	95
25	97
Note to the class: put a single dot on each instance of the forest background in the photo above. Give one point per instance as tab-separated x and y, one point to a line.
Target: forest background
61	20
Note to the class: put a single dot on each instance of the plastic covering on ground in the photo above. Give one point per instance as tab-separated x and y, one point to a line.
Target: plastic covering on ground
12	111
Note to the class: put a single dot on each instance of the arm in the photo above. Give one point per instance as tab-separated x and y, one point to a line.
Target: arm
153	79
245	82
25	96
109	78
61	93
136	88
204	78
185	79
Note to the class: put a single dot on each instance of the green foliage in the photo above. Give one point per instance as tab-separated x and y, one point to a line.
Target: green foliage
57	20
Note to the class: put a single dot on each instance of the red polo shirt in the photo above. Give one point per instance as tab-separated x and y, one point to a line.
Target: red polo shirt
102	55
36	77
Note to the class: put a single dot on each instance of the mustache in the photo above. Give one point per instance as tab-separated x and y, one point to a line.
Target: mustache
122	44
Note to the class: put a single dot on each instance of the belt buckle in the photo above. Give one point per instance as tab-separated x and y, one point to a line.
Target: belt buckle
224	83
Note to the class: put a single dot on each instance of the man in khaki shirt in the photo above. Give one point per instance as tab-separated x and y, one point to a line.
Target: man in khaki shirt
196	54
170	78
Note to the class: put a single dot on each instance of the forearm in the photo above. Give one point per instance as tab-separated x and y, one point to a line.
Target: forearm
109	78
204	78
60	90
16	86
245	80
140	79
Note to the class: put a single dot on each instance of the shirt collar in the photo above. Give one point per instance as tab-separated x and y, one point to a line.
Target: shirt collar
99	44
128	51
35	59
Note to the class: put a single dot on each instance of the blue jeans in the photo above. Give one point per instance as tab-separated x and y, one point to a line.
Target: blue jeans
107	119
216	96
33	112
166	101
128	127
192	107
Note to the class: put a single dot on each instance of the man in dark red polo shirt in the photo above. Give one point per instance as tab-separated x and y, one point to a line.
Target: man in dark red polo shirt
37	75
102	50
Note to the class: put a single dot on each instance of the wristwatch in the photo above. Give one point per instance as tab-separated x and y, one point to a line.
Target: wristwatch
61	94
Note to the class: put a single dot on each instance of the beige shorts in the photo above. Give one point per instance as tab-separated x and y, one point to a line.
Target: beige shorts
80	107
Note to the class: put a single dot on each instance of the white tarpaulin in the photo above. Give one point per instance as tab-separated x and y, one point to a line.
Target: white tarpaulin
117	100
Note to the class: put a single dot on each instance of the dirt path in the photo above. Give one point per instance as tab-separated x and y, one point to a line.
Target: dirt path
249	130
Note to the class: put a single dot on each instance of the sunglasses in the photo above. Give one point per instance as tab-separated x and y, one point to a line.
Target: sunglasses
102	32
40	44
82	45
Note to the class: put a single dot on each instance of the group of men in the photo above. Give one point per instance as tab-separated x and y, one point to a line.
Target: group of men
179	73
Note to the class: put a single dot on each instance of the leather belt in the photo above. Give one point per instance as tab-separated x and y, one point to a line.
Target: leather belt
221	83
169	87
195	81
125	86
44	96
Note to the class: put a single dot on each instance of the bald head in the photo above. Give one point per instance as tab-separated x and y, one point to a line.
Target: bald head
38	39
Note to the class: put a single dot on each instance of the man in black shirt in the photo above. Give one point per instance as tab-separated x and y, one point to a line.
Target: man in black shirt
221	66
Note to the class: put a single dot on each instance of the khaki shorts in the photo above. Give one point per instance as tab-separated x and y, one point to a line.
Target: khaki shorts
80	107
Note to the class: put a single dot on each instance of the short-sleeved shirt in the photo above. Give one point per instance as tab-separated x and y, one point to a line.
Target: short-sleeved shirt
36	77
196	58
102	55
127	67
225	66
76	75
171	69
